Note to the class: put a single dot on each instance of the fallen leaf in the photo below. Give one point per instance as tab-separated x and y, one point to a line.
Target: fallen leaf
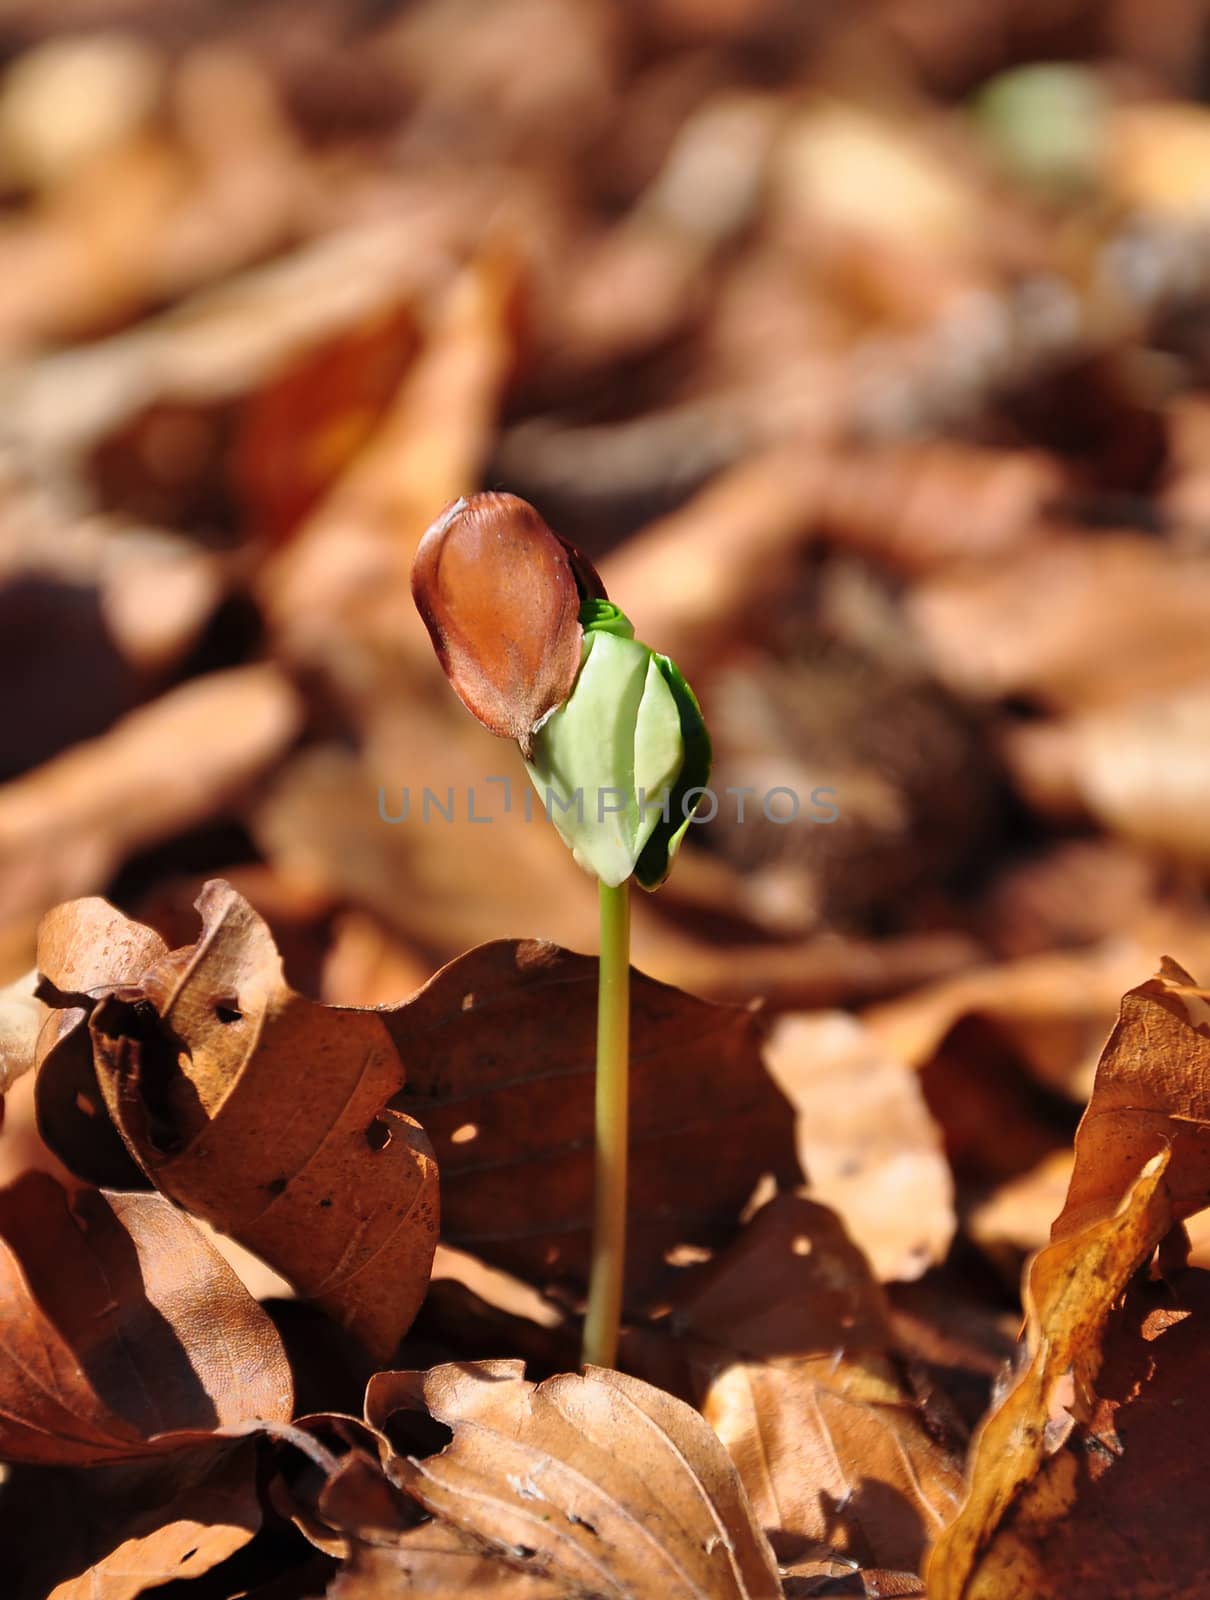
359	1516
263	1113
1074	624
432	1562
598	1482
500	1053
66	826
84	949
1151	1094
346	572
1141	1162
21	1017
125	1335
795	1365
1033	1447
191	1535
1015	1219
1123	1506
303	428
1051	1010
866	1140
1139	770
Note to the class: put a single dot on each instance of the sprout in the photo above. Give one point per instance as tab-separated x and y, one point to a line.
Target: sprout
614	741
608	761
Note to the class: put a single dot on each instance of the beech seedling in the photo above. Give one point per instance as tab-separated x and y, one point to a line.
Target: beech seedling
613	740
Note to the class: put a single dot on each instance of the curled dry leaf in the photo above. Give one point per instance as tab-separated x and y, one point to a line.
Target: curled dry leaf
500	1052
794	1362
212	1136
1151	1094
263	1113
385	1549
1127	1510
85	948
866	1140
1032	1450
1142	1163
124	1333
600	1483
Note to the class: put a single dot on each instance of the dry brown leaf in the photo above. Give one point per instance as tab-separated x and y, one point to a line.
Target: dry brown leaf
794	1362
384	1547
346	574
21	1017
191	1535
263	1113
304	428
1075	624
66	826
1126	1512
500	1053
248	339
1152	1094
1140	770
923	508
125	1334
159	211
1030	1449
495	1115
437	1565
1052	1010
686	578
1141	1164
1015	1219
866	1140
85	948
599	1482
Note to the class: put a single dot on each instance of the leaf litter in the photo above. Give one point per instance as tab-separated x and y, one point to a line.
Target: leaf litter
862	353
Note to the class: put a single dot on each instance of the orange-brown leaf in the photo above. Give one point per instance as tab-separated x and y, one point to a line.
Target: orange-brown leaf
122	1332
600	1482
264	1113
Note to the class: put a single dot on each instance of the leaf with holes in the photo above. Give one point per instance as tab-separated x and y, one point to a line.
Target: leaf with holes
266	1114
600	1484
